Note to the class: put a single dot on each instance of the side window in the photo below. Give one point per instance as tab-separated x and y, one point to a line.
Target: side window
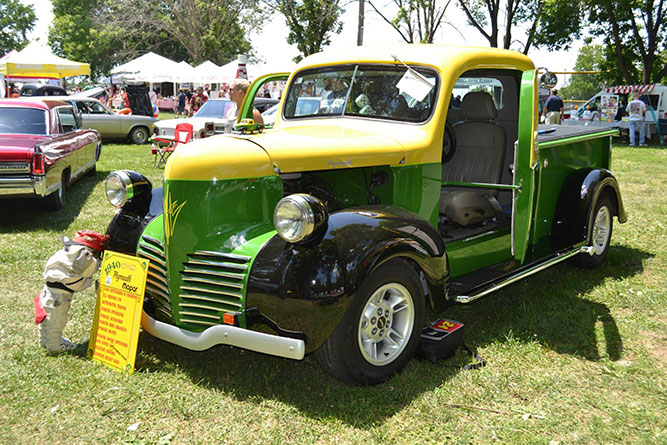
67	120
83	107
96	108
465	85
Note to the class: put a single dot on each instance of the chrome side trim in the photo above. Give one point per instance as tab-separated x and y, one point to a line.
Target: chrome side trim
524	273
225	335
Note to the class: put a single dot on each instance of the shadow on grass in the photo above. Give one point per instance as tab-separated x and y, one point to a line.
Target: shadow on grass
30	214
546	308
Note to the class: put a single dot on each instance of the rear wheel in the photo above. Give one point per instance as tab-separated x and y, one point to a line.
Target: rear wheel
139	135
600	234
56	200
380	330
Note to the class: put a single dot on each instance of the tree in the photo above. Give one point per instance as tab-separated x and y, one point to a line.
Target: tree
108	32
73	34
311	23
634	30
16	20
416	20
550	23
583	86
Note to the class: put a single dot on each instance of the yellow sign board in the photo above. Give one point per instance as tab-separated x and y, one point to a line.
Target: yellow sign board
120	299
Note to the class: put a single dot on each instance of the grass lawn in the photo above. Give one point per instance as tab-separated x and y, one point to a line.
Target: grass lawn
573	356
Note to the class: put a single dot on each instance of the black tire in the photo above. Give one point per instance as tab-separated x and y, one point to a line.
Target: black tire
139	135
56	200
93	171
343	356
599	236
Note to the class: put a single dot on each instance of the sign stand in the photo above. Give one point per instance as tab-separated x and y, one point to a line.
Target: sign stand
120	298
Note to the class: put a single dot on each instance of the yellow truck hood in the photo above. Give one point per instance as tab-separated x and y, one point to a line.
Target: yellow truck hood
308	147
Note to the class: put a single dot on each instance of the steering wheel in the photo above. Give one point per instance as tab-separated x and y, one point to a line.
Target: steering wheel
448	143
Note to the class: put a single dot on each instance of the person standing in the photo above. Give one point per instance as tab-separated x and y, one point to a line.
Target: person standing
237	93
553	108
636	110
197	101
180	111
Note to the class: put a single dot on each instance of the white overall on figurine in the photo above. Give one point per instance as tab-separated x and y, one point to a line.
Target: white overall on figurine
69	270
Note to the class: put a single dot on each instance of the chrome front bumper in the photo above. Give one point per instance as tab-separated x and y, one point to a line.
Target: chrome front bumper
22	186
225	335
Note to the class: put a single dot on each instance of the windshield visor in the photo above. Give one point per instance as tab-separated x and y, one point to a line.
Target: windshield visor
373	91
22	121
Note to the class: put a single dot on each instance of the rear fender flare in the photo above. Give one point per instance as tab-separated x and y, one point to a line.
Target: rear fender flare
576	201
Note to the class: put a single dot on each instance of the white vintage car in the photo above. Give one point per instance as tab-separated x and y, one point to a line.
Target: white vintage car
209	120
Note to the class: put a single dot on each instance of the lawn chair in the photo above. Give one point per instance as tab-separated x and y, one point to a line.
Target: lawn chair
182	135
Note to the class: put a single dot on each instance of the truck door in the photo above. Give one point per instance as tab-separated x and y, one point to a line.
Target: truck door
525	163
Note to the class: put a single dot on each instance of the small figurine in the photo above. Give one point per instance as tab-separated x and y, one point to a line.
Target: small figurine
69	270
364	104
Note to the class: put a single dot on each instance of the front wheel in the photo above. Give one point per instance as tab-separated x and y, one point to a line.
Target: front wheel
380	330
600	234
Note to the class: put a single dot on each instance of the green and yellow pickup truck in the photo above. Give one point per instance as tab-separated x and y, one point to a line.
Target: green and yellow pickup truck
393	177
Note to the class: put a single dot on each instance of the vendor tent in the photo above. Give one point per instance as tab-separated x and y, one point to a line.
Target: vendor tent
38	62
150	67
186	73
207	72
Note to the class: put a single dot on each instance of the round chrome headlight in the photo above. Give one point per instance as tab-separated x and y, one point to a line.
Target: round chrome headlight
297	216
119	188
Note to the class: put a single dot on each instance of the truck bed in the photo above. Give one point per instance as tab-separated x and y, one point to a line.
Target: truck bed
568	131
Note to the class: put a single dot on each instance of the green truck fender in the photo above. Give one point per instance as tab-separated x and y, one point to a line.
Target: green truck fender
574	209
308	287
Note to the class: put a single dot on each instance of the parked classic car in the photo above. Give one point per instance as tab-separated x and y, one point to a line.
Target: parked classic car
209	120
331	232
41	89
43	149
94	114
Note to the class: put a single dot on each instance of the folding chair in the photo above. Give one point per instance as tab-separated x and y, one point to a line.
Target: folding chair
182	135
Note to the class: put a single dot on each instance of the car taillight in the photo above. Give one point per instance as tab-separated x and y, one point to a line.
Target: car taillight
38	163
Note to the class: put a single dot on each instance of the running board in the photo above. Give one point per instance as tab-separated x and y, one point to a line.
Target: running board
524	273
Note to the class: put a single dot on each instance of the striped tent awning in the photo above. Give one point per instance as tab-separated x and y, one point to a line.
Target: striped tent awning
625	89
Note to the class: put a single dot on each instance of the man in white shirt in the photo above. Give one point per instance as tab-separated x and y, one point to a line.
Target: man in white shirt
636	110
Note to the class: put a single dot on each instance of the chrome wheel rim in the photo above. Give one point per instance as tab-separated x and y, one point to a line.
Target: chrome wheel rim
139	136
601	230
386	324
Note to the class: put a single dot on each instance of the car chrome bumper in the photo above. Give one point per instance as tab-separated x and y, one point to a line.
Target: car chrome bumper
22	186
225	335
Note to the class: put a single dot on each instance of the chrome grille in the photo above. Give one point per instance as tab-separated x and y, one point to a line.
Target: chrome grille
14	167
213	284
156	282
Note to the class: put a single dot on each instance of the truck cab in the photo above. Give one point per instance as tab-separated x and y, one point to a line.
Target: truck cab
372	196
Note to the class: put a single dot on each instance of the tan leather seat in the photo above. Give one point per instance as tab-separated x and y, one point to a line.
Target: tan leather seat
478	157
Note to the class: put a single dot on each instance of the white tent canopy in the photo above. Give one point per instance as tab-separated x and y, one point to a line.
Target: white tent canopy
37	61
207	72
151	67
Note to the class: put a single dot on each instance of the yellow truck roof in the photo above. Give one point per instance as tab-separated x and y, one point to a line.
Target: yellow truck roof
449	60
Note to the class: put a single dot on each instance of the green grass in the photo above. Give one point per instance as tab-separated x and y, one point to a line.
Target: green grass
573	356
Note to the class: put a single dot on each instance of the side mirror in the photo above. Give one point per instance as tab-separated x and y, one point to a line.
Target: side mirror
547	79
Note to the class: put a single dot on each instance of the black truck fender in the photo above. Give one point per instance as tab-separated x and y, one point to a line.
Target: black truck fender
573	216
126	226
308	287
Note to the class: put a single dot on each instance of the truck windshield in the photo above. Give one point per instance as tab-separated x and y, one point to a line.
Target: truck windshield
375	91
22	121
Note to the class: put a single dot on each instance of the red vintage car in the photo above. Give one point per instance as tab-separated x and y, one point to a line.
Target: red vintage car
43	150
